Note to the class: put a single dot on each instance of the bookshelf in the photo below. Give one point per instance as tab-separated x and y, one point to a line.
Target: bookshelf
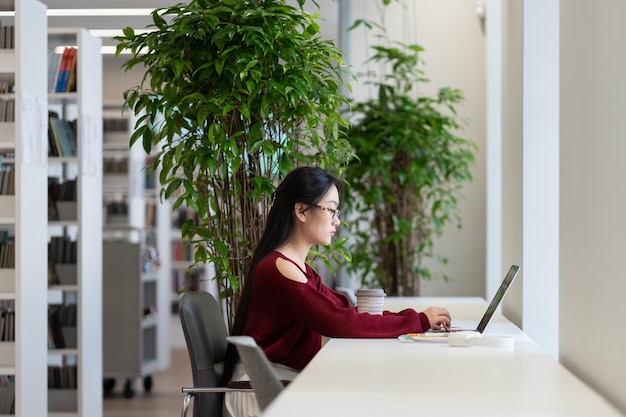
124	177
79	226
22	210
131	203
130	307
184	277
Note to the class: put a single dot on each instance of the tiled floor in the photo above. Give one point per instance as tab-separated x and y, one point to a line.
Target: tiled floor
165	398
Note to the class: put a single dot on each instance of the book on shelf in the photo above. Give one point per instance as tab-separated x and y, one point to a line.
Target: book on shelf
62	376
71	82
7	394
62	205
5	236
64	137
55	335
181	252
53	211
67	190
182	214
7	36
53	147
62	250
53	193
7	87
61	316
150	174
7	326
7	250
7	255
150	214
7	109
53	275
7	180
63	73
53	70
115	165
66	65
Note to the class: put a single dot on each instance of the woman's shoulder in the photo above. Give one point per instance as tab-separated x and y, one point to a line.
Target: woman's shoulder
269	260
277	262
290	270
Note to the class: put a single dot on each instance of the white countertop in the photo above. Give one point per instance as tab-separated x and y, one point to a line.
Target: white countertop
385	377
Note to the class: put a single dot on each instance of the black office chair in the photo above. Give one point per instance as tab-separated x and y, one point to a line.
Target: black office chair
205	335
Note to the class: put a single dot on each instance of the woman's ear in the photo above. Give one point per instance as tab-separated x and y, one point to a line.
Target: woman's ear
300	211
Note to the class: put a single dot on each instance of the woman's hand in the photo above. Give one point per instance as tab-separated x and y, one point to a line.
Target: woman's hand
438	317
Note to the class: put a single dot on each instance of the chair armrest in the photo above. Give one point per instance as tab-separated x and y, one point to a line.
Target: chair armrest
232	386
247	385
200	390
191	392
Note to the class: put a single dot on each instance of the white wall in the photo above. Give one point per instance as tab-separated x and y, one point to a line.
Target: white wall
116	80
593	193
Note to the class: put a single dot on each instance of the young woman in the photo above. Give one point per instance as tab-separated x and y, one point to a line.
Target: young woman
285	306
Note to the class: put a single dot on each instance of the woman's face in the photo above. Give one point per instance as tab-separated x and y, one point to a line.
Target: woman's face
324	219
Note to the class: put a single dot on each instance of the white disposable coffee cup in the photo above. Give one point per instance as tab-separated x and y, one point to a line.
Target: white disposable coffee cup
370	300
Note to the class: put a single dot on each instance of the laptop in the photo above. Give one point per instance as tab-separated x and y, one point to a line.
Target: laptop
491	309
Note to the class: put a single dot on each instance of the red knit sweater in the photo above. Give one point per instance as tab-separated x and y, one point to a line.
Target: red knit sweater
288	318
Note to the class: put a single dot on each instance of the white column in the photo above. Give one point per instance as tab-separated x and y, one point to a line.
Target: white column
493	30
541	173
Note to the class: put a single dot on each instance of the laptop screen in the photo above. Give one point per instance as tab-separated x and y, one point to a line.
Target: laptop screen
506	283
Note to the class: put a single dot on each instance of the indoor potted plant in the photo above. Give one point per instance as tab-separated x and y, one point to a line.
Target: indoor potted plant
407	172
235	94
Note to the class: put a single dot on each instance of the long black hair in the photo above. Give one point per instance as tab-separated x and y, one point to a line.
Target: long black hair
305	185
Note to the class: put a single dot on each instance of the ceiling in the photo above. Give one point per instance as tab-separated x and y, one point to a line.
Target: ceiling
328	10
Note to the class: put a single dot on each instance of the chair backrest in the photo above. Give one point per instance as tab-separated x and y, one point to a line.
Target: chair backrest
205	335
263	378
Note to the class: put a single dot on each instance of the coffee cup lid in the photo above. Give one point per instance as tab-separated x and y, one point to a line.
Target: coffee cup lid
370	291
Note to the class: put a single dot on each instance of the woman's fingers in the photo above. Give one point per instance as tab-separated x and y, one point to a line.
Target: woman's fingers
438	317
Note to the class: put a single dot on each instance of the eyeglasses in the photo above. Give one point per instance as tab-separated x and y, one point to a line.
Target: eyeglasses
333	212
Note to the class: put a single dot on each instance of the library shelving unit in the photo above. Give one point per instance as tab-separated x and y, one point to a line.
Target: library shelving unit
78	232
124	177
161	225
134	229
176	255
23	211
130	299
185	277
